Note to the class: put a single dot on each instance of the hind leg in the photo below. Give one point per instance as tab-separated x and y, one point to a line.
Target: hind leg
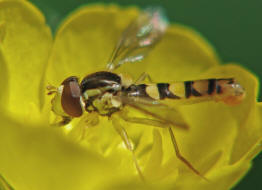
182	158
163	124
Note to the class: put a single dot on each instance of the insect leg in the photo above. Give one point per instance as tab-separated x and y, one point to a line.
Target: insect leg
122	132
65	120
4	184
162	124
51	89
180	157
143	77
87	121
80	129
145	121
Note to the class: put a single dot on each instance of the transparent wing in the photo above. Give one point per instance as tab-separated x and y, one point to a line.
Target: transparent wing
138	38
157	110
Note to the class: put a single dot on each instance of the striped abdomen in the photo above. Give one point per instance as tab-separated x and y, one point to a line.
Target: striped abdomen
227	90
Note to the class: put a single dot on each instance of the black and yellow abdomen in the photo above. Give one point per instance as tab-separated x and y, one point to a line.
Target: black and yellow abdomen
227	90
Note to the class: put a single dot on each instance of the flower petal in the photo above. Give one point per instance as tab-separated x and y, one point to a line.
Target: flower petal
25	43
39	158
3	80
220	179
181	55
86	40
248	140
155	160
246	114
212	129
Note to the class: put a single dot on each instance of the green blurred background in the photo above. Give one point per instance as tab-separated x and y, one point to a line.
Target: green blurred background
234	27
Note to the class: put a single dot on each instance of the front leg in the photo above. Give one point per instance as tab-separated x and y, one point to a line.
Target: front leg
64	120
88	120
77	131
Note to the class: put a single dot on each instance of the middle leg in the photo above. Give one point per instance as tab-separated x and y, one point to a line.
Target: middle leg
123	134
143	77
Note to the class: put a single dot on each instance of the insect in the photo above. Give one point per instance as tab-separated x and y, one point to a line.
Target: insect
106	93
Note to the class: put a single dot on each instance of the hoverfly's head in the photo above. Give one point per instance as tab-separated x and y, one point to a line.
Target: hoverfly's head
68	99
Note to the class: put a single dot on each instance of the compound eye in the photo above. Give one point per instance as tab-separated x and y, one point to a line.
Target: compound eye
70	99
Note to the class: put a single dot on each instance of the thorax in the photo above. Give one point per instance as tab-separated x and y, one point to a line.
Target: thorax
100	91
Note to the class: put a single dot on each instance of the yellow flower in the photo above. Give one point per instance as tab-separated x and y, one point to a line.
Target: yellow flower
221	142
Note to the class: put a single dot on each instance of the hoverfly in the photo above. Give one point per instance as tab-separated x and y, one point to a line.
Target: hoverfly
107	93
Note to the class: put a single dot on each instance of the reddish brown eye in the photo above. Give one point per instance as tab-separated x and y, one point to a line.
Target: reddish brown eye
70	99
